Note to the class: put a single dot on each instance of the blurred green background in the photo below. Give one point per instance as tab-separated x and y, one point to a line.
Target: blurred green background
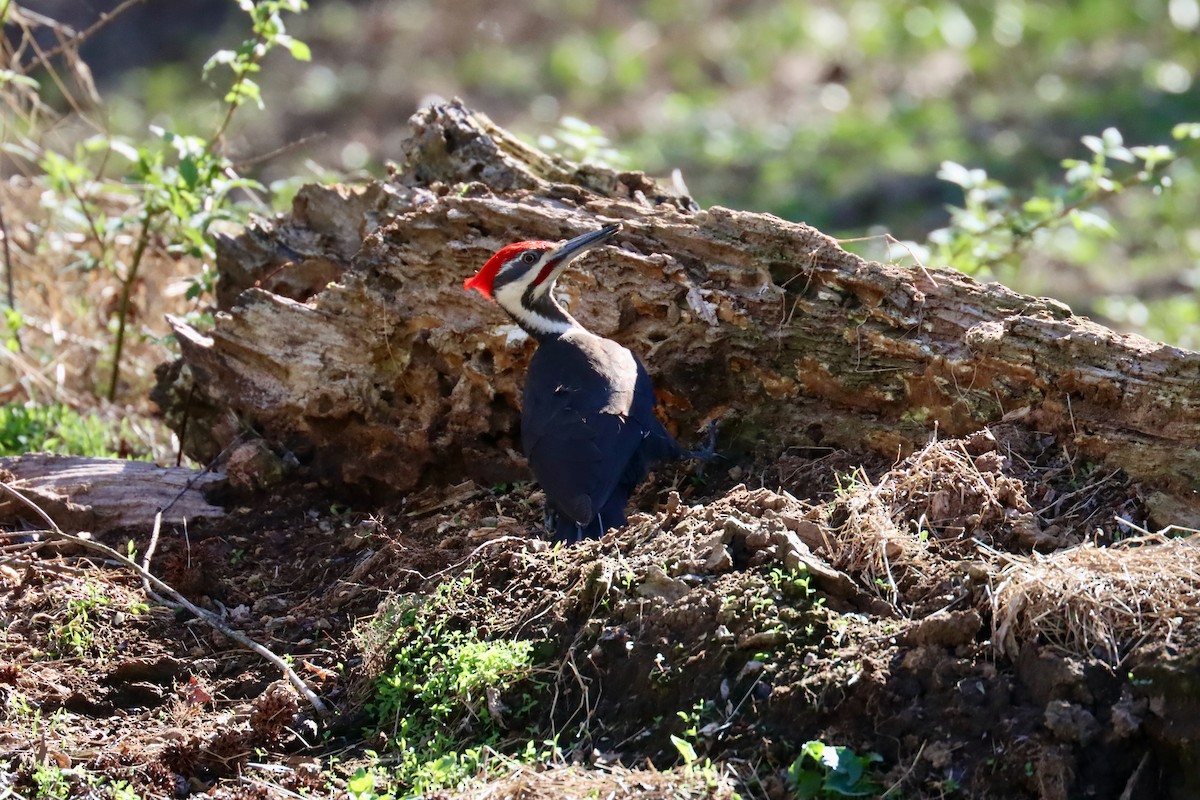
835	114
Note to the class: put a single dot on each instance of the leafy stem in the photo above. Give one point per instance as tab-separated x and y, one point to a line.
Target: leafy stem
269	33
992	227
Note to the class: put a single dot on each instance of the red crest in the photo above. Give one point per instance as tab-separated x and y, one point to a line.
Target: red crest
483	280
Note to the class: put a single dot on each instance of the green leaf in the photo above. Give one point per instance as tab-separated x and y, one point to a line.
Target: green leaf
1153	156
686	751
958	174
218	58
360	782
245	89
1091	221
1039	206
20	151
299	50
1112	137
1121	154
1186	130
9	76
1078	171
806	782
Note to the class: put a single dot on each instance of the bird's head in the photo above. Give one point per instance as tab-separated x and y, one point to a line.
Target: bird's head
521	274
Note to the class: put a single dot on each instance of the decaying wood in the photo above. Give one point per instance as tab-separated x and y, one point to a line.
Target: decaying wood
346	337
103	494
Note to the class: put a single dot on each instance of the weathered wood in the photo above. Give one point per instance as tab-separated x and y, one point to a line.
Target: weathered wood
103	494
393	375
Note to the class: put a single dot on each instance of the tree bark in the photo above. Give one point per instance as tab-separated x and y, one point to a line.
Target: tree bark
391	376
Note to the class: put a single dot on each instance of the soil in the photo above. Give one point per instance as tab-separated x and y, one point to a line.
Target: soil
747	609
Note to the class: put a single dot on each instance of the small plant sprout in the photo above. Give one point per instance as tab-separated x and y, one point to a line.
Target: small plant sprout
828	771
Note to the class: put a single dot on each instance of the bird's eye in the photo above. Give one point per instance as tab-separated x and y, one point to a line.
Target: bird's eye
529	257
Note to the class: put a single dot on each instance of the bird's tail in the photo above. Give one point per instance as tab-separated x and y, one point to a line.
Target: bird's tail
569	531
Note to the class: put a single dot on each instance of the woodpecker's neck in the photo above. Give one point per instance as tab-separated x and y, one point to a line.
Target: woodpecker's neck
539	314
546	319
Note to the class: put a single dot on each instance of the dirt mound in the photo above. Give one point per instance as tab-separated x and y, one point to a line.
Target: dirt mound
969	620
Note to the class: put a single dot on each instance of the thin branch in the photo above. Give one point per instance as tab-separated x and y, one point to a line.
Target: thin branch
242	75
250	161
8	272
177	600
42	59
75	41
127	282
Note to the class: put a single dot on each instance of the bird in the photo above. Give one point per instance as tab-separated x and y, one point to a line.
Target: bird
588	428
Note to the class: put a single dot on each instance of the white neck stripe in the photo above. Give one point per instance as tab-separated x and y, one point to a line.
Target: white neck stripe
540	324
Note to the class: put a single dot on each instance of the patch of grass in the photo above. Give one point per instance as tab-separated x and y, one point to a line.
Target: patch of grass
51	782
783	601
21	713
57	428
46	779
448	696
74	635
364	784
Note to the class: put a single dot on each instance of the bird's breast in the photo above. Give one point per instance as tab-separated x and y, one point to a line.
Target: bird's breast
590	373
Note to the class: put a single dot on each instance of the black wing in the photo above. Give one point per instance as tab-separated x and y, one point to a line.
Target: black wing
583	423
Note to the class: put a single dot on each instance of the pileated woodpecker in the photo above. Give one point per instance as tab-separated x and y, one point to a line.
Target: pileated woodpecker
588	426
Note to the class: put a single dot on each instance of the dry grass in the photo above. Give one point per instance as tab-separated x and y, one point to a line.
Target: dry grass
1100	602
616	782
871	543
66	249
932	507
954	489
68	312
953	506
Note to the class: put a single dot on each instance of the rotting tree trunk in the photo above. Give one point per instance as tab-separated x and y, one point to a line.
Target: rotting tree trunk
391	375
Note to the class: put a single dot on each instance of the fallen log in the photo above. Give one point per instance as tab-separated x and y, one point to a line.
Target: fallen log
346	339
104	494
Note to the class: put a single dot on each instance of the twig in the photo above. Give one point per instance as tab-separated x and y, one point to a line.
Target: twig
150	548
8	270
899	781
892	240
476	552
241	75
127	283
79	38
275	787
183	425
1135	778
161	588
250	161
